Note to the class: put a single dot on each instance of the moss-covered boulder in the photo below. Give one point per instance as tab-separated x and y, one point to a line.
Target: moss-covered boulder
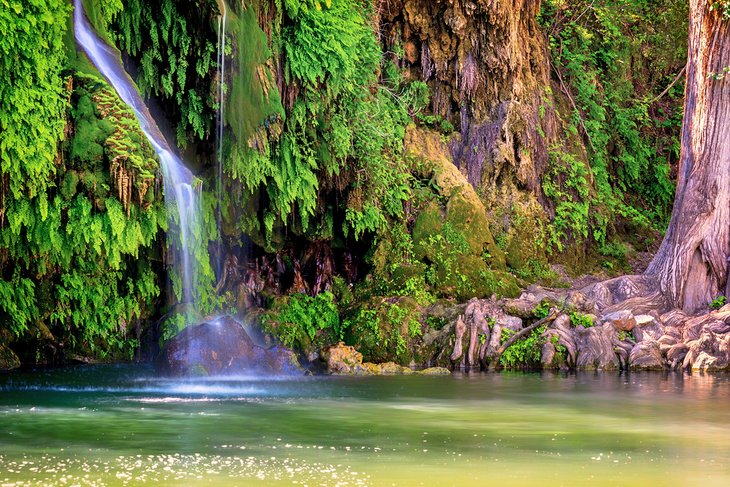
386	330
451	233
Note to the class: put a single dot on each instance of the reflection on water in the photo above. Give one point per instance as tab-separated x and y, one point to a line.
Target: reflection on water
123	426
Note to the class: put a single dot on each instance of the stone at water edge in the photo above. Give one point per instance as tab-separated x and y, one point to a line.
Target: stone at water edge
8	359
646	355
342	359
346	360
222	348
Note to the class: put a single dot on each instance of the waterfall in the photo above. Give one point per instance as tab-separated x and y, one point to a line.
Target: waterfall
220	121
182	197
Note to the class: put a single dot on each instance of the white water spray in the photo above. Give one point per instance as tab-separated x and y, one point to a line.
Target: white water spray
181	195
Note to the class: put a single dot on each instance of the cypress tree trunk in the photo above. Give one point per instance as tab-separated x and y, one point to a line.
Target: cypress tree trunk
691	266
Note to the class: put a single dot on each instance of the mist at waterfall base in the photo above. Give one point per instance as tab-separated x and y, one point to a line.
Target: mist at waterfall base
114	425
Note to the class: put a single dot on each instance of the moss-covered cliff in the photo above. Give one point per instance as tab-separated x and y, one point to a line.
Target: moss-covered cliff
379	150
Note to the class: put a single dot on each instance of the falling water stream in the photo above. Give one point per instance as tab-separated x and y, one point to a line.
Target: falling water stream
181	194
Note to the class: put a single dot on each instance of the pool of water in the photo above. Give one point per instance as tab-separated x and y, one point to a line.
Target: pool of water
120	425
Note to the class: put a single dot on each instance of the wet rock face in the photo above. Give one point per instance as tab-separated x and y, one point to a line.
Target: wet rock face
222	348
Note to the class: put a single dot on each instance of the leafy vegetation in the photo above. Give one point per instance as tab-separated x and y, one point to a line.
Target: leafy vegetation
176	54
342	131
611	62
718	302
303	321
525	352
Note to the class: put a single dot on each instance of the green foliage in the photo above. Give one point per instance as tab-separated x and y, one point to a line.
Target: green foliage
76	249
542	310
612	61
525	353
567	184
175	51
342	131
560	349
718	302
17	302
302	320
444	270
32	104
626	335
384	331
579	319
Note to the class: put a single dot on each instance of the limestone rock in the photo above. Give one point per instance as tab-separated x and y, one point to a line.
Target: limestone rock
434	371
345	360
676	354
709	352
342	359
391	368
646	355
222	347
647	327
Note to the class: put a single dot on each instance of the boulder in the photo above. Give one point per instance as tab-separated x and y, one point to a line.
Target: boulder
676	354
8	359
646	355
595	347
222	347
621	320
344	359
709	352
434	371
647	327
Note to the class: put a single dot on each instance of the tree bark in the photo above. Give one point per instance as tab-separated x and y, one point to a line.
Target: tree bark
691	265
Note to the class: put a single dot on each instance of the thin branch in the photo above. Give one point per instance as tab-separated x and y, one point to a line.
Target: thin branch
572	102
666	90
511	340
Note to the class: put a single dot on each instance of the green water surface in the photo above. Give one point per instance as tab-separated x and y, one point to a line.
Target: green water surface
120	425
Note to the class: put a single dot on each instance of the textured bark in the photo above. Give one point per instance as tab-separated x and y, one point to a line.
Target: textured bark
691	265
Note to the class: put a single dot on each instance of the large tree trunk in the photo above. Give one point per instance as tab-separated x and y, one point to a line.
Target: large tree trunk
691	265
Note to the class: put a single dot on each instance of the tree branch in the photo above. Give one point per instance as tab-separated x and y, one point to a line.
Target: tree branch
548	319
666	90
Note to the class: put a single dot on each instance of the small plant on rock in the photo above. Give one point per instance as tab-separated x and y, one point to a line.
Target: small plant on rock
718	302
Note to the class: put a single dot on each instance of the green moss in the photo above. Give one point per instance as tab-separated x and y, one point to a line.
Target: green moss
429	222
253	97
385	330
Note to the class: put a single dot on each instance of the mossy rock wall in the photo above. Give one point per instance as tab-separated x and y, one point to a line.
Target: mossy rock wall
452	233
